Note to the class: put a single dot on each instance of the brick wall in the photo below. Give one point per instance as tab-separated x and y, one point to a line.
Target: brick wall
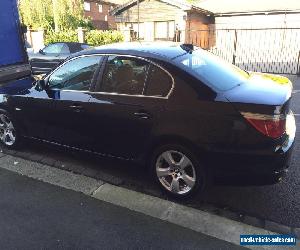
101	20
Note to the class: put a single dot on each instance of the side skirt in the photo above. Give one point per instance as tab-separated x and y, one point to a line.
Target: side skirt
78	149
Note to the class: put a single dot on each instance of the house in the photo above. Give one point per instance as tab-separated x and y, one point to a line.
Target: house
253	14
258	35
166	20
158	19
98	12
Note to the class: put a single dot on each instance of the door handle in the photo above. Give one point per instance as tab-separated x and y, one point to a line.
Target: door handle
76	108
142	115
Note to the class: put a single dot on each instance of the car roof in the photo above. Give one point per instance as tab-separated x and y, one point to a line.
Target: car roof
158	50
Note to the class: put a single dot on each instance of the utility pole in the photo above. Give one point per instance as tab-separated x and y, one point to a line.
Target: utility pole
138	7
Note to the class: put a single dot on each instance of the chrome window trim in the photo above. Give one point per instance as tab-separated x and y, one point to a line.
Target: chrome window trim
117	94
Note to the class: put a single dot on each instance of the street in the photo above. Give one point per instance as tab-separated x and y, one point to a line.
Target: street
274	207
37	215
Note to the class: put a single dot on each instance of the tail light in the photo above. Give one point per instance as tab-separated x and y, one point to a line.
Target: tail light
272	126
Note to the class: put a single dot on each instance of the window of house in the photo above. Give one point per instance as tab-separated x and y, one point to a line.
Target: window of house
87	6
137	28
164	30
100	8
76	74
171	29
105	18
124	75
159	82
161	30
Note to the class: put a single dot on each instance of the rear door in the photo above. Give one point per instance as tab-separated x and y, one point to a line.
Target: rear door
125	111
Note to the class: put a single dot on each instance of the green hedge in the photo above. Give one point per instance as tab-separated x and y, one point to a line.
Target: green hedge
62	36
93	37
99	37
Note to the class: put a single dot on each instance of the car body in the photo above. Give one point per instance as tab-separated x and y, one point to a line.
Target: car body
147	103
49	57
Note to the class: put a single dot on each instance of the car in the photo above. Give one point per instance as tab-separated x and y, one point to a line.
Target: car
184	113
49	57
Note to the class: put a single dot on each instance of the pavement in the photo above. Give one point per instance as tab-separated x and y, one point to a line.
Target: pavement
275	208
38	215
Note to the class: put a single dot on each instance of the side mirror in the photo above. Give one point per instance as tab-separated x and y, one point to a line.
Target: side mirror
41	52
41	84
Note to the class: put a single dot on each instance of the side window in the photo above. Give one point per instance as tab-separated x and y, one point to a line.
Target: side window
159	82
85	46
124	75
53	48
65	49
76	74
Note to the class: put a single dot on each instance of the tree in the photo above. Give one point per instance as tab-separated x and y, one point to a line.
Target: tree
53	15
36	14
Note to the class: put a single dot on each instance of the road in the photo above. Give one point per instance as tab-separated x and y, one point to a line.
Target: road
278	203
37	215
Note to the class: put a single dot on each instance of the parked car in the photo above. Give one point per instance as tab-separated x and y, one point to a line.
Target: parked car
182	111
49	57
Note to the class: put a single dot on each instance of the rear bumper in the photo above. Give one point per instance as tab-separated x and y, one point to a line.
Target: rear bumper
254	168
259	171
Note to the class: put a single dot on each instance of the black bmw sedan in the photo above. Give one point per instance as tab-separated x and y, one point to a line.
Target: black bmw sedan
183	112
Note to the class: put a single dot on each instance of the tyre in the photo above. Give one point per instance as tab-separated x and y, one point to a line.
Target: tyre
9	136
178	171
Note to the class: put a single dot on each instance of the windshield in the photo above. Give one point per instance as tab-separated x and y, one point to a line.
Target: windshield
212	70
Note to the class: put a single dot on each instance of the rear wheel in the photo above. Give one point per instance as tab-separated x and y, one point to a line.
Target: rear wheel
8	132
178	171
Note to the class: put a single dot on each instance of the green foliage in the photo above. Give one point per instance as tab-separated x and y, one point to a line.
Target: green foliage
54	15
62	36
36	14
98	37
93	37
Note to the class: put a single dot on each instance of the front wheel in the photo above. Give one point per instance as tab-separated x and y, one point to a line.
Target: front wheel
8	131
178	171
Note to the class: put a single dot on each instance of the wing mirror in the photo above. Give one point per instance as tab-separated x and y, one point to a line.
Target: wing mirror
41	52
41	84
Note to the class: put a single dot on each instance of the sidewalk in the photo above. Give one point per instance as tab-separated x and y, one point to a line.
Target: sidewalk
37	215
55	212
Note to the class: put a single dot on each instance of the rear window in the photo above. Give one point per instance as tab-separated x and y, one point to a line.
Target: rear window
159	82
212	70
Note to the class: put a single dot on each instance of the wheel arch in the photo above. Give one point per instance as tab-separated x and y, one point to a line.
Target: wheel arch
172	139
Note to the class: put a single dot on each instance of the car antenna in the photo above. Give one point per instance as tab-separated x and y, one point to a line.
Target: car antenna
187	47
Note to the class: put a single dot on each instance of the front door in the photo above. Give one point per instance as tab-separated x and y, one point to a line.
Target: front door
34	109
71	86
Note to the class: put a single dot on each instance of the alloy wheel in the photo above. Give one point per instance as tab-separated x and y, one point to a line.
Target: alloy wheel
7	131
175	172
